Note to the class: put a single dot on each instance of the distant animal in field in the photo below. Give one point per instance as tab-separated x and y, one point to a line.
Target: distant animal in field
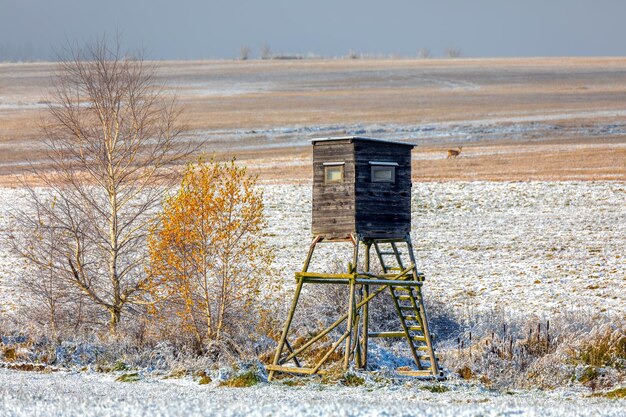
453	153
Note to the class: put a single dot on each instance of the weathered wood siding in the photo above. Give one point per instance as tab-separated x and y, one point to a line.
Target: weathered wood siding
382	209
333	204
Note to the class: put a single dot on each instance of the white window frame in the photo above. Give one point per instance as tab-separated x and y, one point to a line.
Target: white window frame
376	165
331	165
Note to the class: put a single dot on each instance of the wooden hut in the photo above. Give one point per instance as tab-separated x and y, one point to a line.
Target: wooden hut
361	186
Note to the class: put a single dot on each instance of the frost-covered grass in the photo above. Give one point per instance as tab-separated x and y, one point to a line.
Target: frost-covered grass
71	394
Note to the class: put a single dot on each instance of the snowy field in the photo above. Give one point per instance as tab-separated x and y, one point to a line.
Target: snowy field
90	395
538	247
508	248
523	247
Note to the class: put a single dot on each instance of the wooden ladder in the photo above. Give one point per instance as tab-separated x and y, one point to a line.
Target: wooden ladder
409	306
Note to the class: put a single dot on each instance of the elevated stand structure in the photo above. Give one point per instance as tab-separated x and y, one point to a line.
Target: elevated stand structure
399	278
362	195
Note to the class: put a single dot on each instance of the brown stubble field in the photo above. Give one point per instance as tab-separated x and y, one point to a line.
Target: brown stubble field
517	119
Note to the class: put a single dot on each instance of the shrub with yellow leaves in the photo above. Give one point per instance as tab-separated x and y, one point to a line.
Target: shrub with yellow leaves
209	260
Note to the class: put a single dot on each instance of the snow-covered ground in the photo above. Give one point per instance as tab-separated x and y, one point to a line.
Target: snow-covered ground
89	395
526	247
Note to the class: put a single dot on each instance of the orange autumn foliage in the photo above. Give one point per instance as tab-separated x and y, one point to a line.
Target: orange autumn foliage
208	256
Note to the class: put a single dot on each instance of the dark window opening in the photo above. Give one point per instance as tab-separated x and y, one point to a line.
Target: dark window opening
383	171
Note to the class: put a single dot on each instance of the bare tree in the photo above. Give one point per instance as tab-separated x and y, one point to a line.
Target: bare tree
111	144
53	305
452	52
266	52
352	54
244	53
424	53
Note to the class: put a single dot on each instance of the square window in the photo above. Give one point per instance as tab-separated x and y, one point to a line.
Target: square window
382	173
333	174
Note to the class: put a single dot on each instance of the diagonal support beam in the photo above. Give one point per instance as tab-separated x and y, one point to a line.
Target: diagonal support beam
341	319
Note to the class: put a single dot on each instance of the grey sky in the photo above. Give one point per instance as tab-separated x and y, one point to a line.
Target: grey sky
195	29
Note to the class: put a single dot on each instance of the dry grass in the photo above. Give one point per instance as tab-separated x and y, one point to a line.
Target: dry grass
242	380
606	346
619	393
572	160
573	348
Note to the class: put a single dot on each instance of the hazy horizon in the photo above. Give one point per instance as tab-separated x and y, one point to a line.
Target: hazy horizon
33	29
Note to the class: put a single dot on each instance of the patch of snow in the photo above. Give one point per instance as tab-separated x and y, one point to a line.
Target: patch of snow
22	105
99	395
523	128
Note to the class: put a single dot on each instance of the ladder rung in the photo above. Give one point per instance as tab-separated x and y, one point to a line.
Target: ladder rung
293	369
404	297
387	253
411	318
386	334
405	289
394	268
415	328
396	335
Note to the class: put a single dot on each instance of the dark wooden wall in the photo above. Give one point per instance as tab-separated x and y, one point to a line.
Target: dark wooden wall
333	204
383	209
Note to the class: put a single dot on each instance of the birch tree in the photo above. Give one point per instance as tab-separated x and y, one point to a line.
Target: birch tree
111	136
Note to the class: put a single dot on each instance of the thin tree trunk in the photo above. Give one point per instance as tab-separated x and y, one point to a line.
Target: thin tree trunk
114	320
223	301
113	256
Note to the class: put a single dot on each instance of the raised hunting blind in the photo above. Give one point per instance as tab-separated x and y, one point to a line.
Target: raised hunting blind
362	195
361	186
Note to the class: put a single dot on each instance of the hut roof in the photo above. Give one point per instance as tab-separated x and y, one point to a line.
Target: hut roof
360	138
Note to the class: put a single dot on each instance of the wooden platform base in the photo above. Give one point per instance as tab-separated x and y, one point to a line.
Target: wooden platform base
399	278
423	374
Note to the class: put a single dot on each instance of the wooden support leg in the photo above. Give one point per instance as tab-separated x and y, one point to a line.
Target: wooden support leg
294	304
366	292
307	261
334	325
357	333
329	352
290	349
346	358
283	337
